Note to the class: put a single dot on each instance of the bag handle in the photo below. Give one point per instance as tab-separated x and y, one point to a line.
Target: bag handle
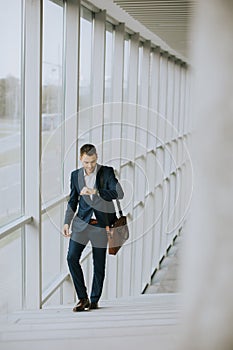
101	186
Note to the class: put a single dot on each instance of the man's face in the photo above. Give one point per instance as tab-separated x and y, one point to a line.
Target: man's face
89	162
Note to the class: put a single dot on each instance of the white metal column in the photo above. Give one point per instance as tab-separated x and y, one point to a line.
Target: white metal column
117	98
145	161
177	98
71	62
33	57
163	96
130	143
70	153
128	149
170	99
116	118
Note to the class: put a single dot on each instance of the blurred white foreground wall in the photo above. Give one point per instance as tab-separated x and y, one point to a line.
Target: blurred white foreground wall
208	275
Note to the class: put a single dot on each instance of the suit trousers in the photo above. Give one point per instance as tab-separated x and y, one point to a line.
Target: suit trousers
78	241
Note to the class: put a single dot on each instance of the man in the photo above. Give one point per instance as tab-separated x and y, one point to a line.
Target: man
93	187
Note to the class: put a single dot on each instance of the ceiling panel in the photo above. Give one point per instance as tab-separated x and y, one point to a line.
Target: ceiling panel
170	20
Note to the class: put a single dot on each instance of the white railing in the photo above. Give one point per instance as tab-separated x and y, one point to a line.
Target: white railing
130	271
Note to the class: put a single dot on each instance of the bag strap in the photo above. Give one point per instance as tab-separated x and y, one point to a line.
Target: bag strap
101	182
101	185
119	207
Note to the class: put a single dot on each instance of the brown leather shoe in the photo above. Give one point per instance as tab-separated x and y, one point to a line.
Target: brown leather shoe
82	305
94	306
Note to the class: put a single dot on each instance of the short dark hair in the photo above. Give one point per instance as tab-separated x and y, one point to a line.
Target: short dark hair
88	149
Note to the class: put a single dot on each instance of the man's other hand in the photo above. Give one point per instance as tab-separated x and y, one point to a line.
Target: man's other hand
66	232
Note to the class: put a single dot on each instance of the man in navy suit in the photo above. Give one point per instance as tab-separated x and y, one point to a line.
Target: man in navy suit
93	188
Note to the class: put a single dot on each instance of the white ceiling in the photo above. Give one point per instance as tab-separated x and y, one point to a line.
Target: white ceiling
168	19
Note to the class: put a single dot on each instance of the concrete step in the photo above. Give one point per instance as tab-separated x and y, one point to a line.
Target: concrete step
127	323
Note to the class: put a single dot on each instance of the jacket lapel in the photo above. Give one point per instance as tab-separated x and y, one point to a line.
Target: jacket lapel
97	181
81	180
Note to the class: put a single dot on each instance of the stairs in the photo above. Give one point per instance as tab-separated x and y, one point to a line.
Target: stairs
151	320
167	278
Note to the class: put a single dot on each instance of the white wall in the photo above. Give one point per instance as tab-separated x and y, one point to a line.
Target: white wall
208	258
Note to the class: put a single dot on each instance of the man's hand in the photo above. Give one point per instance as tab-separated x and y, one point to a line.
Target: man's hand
88	191
66	232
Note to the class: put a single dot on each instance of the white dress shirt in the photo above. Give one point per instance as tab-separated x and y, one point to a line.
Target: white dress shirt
90	183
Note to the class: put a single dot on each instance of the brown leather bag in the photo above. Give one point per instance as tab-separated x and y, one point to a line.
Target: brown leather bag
117	233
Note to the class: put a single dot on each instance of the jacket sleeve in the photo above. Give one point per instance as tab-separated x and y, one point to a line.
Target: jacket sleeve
72	203
113	190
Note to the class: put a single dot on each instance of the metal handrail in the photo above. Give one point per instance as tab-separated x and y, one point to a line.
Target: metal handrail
14	225
54	286
53	203
59	281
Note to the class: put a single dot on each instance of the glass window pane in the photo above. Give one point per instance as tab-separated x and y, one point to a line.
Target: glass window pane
85	81
108	62
126	68
125	109
108	107
53	246
141	137
52	100
11	272
10	111
140	57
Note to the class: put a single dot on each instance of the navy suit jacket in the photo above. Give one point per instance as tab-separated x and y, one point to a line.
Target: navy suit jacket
101	204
